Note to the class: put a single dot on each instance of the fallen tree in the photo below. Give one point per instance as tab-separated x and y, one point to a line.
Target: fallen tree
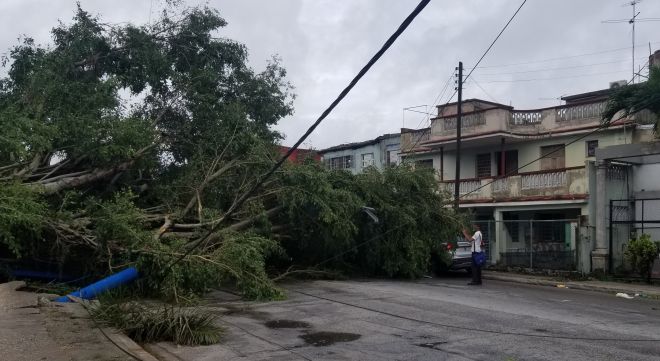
124	144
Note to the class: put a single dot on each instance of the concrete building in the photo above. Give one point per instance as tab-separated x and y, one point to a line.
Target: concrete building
299	155
533	207
355	157
637	211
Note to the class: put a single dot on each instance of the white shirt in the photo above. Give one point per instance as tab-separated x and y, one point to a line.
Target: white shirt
476	242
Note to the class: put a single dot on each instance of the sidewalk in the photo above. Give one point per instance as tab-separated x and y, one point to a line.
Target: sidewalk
31	328
598	286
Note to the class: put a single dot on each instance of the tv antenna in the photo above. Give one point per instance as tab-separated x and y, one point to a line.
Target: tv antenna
632	22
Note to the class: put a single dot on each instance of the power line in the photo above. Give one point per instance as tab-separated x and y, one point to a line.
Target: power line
559	58
474	80
560	68
494	41
239	203
435	101
481	58
554	78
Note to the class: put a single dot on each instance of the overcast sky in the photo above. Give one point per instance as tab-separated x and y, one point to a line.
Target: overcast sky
323	44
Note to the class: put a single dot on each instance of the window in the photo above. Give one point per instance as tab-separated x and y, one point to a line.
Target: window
425	163
367	160
552	157
340	162
510	162
483	165
348	162
392	158
591	147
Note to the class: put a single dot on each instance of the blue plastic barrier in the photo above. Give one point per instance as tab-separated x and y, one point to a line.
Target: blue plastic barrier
103	285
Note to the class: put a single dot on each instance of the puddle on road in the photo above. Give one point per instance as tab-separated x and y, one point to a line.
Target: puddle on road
286	324
325	338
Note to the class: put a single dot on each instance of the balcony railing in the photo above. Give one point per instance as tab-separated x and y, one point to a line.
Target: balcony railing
543	180
525	117
559	182
583	111
466	186
467	121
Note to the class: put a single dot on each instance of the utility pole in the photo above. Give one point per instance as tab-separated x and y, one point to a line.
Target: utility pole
459	114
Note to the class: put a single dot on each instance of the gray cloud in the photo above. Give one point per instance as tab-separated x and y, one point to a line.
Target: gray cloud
324	43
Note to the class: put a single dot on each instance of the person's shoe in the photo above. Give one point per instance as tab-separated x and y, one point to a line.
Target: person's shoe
474	284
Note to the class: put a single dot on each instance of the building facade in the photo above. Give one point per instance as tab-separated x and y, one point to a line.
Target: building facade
530	175
299	155
355	157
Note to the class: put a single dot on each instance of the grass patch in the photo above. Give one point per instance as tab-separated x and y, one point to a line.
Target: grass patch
151	322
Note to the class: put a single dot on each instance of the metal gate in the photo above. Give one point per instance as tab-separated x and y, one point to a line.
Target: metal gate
630	218
538	244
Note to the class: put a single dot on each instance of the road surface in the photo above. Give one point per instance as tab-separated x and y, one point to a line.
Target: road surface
433	319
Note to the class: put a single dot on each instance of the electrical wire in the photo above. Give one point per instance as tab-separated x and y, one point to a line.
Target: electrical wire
435	101
239	203
480	59
623	61
474	80
495	40
555	78
559	58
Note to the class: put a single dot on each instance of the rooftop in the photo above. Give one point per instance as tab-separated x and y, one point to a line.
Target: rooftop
356	145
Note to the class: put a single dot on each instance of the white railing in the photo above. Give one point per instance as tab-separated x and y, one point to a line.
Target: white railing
543	180
584	111
525	117
469	186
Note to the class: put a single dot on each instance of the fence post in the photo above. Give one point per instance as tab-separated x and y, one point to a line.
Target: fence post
531	245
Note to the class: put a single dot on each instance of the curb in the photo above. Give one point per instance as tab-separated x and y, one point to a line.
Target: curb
571	284
161	353
127	345
116	337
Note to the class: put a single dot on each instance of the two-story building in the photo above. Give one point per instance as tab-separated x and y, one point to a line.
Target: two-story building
528	174
355	157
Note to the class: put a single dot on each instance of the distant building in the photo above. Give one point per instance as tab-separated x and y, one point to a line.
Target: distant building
355	157
534	212
299	155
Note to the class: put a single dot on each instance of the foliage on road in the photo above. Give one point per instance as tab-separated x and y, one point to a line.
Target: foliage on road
328	225
146	323
124	145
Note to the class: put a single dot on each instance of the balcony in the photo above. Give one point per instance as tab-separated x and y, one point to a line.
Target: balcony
567	183
515	123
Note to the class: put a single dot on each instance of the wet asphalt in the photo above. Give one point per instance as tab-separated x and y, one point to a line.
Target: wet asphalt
433	319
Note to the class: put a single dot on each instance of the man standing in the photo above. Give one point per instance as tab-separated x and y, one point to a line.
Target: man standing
475	242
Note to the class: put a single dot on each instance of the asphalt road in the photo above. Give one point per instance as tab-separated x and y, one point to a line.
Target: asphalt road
434	319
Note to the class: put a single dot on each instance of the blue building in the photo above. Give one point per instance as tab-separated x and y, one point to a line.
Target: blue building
355	157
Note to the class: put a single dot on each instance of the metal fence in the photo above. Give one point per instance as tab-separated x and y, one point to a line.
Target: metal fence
630	218
537	243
